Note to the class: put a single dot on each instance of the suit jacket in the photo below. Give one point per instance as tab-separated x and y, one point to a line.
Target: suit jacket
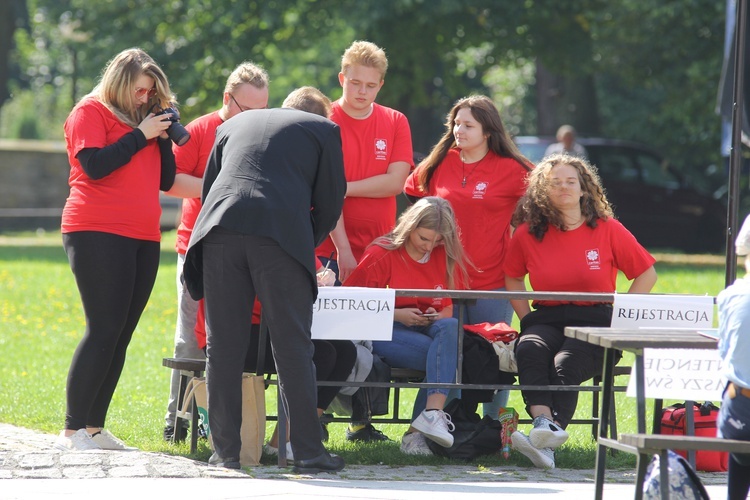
277	173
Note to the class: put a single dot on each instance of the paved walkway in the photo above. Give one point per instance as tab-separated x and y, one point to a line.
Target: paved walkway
31	468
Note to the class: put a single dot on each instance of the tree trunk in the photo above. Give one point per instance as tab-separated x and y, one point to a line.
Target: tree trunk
565	100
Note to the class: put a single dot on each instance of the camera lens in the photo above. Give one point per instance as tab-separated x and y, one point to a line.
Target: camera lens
178	134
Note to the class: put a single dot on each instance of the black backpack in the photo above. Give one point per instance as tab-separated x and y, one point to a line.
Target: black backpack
472	437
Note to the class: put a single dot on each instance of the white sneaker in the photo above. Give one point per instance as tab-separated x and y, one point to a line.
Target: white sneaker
272	450
540	457
107	441
414	443
435	425
546	433
80	441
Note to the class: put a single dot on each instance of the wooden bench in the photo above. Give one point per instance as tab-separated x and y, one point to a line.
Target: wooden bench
401	378
646	445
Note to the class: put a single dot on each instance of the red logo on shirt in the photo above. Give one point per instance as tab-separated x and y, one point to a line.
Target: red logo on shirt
381	149
592	259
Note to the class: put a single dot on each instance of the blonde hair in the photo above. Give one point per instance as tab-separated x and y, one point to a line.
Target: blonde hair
485	112
308	99
365	54
116	86
536	209
436	214
249	73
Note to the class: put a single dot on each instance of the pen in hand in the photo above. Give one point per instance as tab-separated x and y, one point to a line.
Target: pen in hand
328	264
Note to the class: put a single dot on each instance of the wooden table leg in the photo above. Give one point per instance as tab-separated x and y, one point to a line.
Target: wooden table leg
608	378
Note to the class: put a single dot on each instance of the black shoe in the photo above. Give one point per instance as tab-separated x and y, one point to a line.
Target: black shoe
169	434
322	463
366	434
227	463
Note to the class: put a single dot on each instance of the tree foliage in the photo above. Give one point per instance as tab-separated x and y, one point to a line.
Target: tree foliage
632	69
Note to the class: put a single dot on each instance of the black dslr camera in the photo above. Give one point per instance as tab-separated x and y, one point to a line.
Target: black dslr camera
176	131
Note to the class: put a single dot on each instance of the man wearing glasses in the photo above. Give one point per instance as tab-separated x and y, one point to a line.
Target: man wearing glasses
246	88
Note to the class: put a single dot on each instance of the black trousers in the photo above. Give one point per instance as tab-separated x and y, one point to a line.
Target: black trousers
545	356
115	276
236	268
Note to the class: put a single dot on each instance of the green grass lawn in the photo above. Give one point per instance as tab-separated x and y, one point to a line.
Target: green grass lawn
41	323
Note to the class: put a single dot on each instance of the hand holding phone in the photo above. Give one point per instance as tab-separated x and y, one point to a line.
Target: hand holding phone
430	315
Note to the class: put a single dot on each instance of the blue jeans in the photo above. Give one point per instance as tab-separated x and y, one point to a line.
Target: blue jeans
432	349
489	311
734	423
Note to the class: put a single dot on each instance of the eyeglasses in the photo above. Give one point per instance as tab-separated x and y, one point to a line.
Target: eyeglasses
242	108
140	92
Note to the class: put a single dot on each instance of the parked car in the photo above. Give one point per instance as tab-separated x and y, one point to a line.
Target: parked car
650	197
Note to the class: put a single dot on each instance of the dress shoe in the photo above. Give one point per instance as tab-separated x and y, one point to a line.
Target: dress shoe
227	463
322	463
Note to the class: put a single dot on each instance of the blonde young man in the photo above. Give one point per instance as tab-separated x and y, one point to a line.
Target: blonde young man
246	88
377	159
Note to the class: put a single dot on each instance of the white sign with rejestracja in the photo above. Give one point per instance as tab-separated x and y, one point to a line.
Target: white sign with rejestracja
353	313
689	374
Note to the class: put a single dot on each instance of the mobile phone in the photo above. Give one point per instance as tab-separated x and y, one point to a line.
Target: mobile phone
430	315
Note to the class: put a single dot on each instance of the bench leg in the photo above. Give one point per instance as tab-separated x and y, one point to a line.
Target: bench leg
595	409
182	385
664	473
640	476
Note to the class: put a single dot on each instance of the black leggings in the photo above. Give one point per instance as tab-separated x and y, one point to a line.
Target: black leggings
115	276
333	360
545	356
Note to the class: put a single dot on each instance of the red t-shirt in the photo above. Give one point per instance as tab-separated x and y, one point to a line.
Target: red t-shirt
125	202
483	208
191	159
582	260
381	268
369	146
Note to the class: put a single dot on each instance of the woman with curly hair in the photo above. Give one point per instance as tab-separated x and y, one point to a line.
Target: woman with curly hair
567	240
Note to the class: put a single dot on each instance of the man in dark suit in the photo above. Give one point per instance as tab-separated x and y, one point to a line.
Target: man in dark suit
273	189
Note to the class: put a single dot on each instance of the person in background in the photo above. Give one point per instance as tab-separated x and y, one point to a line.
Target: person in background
120	157
377	158
273	190
422	252
477	167
734	348
246	88
566	144
566	240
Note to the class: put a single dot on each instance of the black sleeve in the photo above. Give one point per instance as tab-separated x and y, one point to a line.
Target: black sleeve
411	198
168	165
100	162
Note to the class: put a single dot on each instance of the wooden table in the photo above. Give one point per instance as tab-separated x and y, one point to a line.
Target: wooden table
635	341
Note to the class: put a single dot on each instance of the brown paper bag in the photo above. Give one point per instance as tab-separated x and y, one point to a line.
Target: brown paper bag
253	430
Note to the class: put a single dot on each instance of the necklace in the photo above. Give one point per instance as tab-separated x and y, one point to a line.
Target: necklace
464	175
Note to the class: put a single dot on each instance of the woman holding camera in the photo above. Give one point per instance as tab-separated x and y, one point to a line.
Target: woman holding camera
120	157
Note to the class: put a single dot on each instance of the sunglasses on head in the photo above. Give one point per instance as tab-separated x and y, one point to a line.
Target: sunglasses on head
140	92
